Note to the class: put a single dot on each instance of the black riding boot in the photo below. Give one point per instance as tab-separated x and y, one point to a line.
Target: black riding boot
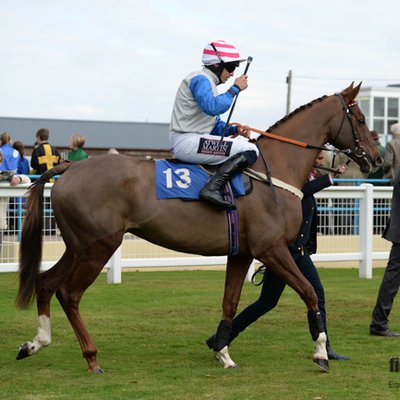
213	191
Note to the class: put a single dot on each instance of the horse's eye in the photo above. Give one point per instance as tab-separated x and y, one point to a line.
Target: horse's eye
361	121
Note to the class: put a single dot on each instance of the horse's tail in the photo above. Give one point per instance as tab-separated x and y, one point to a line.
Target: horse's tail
31	237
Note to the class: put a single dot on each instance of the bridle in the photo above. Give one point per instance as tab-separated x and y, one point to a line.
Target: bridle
358	151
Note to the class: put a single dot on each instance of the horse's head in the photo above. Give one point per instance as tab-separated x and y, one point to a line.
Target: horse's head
350	132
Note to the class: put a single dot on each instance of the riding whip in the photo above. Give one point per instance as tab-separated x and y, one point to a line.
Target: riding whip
249	60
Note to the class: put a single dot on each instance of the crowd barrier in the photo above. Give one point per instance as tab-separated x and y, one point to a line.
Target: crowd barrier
351	221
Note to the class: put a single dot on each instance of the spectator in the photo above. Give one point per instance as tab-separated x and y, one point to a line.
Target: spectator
11	156
44	155
304	245
23	165
342	220
391	278
76	144
378	174
392	154
4	201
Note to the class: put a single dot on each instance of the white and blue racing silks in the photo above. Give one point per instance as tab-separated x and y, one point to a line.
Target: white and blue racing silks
212	105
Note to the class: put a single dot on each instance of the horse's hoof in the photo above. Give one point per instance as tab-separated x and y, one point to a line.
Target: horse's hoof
23	351
97	371
224	358
322	364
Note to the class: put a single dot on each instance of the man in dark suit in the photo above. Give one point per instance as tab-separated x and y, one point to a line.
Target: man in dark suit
391	279
301	249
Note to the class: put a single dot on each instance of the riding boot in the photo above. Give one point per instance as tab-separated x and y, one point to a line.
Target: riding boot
213	191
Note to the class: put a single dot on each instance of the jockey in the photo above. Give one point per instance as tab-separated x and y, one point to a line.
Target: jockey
196	127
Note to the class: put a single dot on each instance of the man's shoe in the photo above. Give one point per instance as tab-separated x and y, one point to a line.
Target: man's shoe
385	332
332	355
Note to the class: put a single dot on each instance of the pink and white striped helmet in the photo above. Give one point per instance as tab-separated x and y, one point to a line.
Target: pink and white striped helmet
220	51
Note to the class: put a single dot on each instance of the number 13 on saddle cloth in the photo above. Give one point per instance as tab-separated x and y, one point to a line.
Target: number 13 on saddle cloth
184	181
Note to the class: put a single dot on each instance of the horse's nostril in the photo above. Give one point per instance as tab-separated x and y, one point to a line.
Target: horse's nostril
378	161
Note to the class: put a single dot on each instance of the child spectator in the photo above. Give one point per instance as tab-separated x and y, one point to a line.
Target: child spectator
44	155
11	156
23	165
76	144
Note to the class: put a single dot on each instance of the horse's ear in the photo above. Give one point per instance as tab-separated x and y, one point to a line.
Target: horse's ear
351	92
348	89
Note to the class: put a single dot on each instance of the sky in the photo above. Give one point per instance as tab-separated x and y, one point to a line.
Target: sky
123	60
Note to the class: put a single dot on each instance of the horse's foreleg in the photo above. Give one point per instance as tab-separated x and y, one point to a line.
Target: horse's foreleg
236	270
282	264
318	334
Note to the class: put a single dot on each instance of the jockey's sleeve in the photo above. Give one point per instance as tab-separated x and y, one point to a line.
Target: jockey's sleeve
201	89
219	128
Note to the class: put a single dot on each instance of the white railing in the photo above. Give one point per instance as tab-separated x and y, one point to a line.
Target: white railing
351	222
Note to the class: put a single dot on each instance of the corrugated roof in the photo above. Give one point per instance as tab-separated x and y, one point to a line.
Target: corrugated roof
99	134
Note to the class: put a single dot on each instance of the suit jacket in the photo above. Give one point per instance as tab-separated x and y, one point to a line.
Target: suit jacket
307	235
392	230
392	158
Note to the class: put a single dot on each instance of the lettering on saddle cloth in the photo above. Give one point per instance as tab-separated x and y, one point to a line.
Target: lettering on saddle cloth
178	180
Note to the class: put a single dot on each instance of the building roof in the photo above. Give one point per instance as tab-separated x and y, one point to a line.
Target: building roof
99	134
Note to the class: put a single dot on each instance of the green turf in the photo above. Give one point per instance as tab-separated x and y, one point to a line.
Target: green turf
150	333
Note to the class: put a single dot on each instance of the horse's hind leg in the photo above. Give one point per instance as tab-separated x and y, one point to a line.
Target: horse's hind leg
236	270
47	283
86	268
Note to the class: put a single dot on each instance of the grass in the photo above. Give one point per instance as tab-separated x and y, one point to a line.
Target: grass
150	333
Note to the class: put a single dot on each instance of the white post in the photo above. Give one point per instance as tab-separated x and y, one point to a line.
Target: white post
366	223
114	267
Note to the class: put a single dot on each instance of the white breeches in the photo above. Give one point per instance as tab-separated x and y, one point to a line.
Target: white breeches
185	147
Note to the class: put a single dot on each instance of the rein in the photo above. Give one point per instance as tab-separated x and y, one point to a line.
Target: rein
358	151
280	138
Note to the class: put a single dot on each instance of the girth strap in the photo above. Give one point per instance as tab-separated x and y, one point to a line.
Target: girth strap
233	223
276	182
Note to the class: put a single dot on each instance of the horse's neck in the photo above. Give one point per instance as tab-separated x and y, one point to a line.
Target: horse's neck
289	162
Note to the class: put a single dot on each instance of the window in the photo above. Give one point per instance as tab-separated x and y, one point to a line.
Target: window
364	105
378	125
379	107
393	107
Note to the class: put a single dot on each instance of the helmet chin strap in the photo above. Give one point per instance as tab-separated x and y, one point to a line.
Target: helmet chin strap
217	70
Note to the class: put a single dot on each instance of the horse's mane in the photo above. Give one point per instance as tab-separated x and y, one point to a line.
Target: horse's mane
296	111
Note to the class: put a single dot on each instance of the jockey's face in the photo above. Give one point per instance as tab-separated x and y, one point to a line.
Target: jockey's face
225	75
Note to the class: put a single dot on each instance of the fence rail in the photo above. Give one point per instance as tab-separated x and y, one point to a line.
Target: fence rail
351	221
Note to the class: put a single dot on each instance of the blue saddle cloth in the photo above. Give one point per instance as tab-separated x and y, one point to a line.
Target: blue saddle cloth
184	181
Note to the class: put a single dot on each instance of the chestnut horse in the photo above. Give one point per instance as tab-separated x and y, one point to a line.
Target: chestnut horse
97	200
